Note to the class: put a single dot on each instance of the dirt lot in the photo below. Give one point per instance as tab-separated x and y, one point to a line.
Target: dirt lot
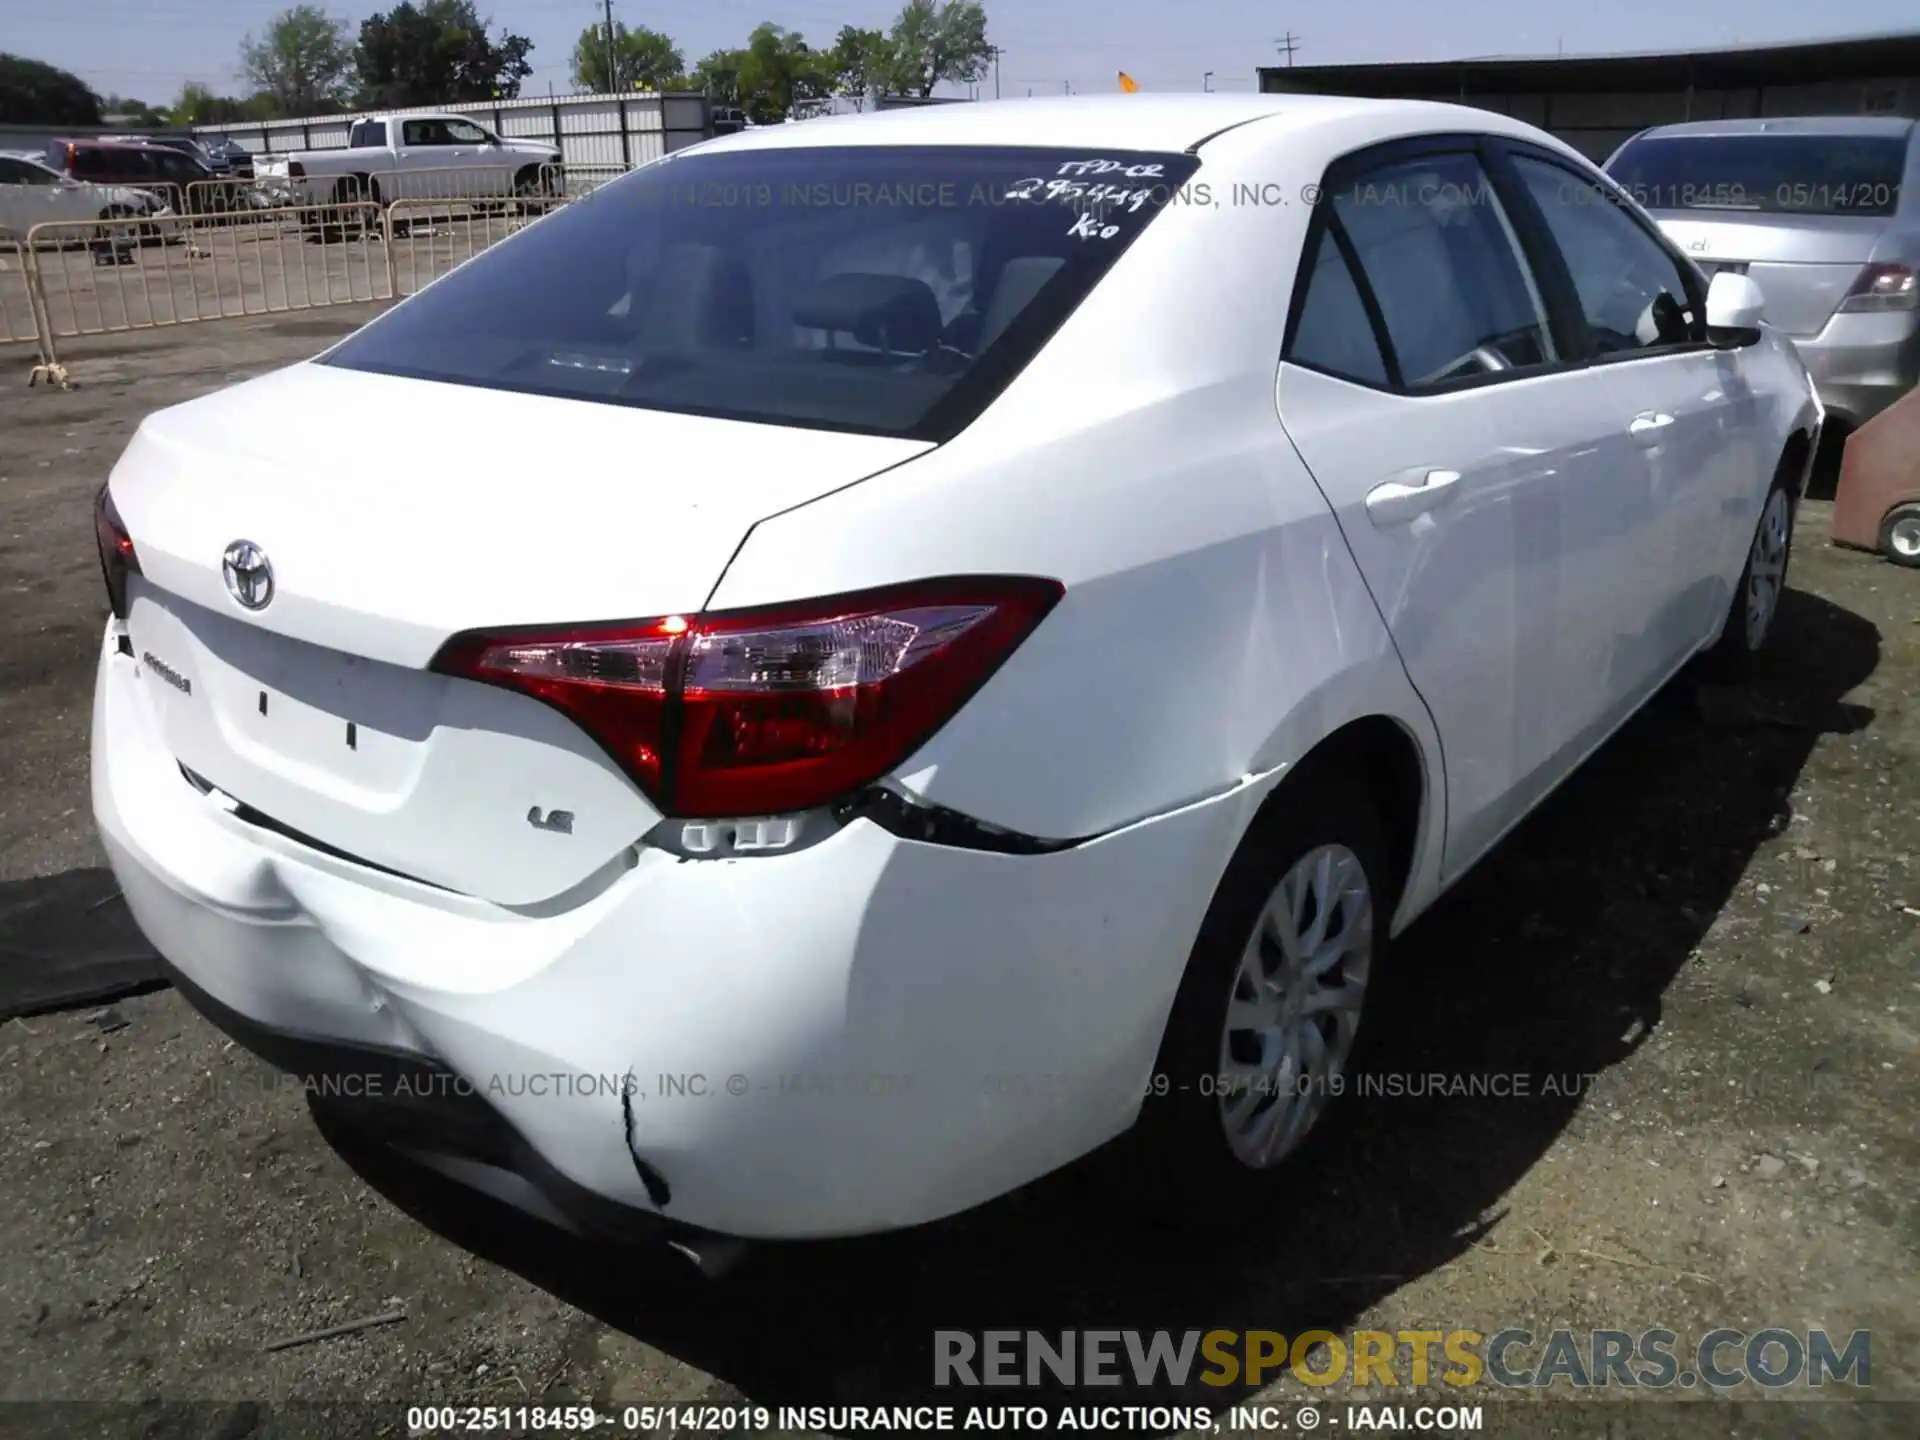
1718	922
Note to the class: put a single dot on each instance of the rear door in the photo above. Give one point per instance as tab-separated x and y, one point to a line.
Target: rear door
468	150
1484	480
424	165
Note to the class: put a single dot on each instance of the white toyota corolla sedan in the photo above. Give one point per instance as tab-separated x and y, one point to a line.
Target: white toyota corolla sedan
867	658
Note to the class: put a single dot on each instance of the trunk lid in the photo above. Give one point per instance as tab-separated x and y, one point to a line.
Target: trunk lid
394	514
1803	264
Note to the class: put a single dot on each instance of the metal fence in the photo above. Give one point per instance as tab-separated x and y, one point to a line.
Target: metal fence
18	318
236	250
600	129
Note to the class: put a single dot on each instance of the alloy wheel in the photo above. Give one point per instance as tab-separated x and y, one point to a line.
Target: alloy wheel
1767	567
1295	1005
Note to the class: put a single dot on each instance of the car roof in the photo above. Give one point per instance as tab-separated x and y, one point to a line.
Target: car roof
108	142
1107	122
1889	126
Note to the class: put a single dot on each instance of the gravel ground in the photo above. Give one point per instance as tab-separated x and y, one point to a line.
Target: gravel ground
1715	925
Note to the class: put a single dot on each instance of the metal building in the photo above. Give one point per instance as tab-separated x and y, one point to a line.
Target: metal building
1595	102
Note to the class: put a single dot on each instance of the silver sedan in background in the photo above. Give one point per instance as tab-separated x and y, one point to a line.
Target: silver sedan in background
1824	214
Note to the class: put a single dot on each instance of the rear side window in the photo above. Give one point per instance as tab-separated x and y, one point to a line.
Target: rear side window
1333	332
1440	259
1784	174
890	290
90	164
367	135
19	172
1632	292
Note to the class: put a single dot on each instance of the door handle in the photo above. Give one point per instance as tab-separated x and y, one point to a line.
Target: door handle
1395	502
1647	426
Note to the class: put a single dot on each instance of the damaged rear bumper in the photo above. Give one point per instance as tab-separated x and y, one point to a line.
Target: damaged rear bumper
869	1033
417	1106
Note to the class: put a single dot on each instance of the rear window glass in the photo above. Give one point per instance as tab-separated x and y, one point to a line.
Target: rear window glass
1786	174
887	290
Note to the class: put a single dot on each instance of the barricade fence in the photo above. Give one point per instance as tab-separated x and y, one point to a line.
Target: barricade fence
226	249
19	319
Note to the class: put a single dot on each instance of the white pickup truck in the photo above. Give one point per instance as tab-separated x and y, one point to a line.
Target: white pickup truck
414	157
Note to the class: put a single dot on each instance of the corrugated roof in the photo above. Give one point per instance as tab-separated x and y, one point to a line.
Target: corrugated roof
1894	52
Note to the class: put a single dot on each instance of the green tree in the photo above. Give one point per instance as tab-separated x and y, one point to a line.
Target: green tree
718	76
935	40
643	59
436	53
199	105
33	92
861	61
302	60
776	69
138	112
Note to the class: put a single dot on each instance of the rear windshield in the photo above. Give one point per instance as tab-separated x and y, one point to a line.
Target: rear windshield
1785	174
891	291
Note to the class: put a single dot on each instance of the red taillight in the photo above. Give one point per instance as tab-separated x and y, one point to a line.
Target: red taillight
768	711
117	557
1883	287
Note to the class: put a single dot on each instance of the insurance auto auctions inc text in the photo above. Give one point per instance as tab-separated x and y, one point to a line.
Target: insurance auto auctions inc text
1721	1359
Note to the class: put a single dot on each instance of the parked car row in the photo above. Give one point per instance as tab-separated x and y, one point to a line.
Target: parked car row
188	181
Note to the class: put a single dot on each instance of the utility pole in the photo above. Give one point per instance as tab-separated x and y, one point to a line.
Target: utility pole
1286	45
1206	81
994	50
613	59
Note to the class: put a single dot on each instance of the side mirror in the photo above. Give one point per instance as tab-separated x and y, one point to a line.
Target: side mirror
1735	308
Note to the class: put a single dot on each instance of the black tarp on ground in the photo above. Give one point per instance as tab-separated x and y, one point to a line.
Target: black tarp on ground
68	940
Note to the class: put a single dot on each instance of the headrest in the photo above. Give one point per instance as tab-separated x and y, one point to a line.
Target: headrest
894	311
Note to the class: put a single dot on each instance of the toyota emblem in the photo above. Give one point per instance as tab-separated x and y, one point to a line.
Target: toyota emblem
248	573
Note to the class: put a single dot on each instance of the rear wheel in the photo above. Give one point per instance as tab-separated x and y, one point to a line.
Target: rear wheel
120	231
361	192
1900	535
1267	1013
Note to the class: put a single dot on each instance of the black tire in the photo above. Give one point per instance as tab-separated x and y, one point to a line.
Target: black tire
1743	638
535	190
127	232
357	190
1188	1166
1900	535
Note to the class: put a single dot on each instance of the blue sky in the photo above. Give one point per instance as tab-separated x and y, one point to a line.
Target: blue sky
147	48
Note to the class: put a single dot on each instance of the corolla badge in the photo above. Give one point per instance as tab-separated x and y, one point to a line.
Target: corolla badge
248	573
